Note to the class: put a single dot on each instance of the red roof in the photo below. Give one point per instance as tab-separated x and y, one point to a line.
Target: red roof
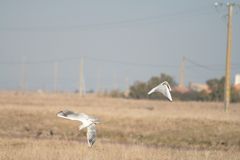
237	87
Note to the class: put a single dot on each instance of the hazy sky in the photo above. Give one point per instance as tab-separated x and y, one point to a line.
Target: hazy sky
121	41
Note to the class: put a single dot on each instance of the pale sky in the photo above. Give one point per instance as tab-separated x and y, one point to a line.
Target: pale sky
121	41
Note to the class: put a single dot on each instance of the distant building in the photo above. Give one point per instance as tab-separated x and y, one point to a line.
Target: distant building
237	79
181	89
198	87
237	87
237	82
126	92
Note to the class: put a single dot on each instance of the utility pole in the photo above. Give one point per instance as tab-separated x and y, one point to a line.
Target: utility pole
115	86
182	72
126	83
81	80
55	76
23	75
98	88
227	87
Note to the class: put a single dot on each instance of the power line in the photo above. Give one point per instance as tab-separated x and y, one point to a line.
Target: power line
113	61
206	67
209	67
131	63
145	20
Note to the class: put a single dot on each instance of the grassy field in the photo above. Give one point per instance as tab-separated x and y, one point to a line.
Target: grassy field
130	129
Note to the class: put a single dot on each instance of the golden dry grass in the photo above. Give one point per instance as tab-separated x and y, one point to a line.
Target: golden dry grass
130	129
29	149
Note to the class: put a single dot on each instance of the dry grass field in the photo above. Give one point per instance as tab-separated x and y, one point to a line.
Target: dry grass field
130	129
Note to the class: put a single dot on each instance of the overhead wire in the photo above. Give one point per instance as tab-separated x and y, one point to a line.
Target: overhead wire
112	61
212	67
143	20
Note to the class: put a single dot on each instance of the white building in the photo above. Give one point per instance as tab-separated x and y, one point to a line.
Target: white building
237	79
198	87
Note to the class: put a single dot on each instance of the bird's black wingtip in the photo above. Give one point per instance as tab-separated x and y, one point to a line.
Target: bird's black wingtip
59	112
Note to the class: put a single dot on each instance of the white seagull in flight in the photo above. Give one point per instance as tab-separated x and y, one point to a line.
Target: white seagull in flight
164	88
88	122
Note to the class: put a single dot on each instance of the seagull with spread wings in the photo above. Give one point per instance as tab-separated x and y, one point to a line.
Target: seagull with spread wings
88	122
164	88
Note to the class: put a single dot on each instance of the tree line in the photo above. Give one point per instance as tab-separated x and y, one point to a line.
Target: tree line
140	89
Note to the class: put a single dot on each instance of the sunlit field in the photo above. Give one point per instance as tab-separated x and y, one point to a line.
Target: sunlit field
129	129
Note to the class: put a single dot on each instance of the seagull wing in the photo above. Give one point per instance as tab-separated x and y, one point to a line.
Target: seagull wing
159	88
164	89
72	115
90	118
167	84
152	90
166	92
91	134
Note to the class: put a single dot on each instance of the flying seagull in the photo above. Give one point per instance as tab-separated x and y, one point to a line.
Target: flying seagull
88	122
164	88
